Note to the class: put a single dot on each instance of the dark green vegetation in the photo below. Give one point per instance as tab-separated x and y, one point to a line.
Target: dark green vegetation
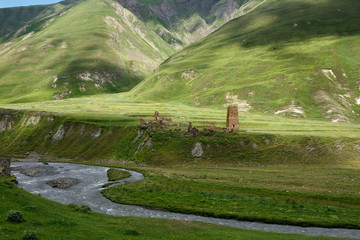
117	174
14	20
15	216
288	57
50	220
304	195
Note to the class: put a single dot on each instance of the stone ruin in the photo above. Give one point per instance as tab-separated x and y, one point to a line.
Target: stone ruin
5	167
232	120
232	124
158	121
158	118
193	131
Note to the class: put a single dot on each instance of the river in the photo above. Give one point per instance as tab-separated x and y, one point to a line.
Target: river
88	192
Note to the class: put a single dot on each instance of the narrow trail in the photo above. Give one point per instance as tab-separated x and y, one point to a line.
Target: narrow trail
88	192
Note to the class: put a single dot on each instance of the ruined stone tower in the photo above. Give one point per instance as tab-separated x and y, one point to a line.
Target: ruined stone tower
232	120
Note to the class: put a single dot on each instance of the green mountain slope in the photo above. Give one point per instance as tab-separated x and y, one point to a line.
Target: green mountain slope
87	47
15	22
94	47
286	57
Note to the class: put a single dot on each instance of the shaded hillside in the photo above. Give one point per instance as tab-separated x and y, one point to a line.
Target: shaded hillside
288	57
16	21
181	22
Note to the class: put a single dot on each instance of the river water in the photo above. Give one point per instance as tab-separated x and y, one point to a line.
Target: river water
88	192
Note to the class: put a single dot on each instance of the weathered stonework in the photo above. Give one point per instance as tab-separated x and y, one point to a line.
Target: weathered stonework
5	166
232	120
158	121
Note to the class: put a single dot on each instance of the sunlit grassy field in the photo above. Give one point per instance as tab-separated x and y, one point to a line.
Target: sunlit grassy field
318	195
56	221
118	109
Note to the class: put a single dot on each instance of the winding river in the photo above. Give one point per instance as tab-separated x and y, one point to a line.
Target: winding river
88	192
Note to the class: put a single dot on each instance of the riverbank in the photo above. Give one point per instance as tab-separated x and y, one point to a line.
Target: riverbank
93	177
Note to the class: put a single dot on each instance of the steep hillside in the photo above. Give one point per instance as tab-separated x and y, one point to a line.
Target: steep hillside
181	22
84	47
287	57
94	47
15	22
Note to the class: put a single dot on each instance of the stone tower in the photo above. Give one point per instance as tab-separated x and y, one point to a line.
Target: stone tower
232	120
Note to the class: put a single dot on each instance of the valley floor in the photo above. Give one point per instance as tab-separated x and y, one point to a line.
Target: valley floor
119	110
275	170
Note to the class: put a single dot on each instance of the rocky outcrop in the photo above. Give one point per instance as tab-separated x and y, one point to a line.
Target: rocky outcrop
5	167
177	17
36	171
197	150
59	134
5	123
63	183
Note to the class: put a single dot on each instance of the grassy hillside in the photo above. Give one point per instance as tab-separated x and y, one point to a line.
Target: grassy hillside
94	47
17	21
87	47
117	110
289	57
52	220
118	139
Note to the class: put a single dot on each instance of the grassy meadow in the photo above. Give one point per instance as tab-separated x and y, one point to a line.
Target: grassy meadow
283	194
55	221
117	174
119	110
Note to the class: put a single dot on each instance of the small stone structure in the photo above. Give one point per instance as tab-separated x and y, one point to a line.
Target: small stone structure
5	166
193	131
232	120
157	120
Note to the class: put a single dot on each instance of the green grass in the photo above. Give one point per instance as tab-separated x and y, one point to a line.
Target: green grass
118	110
114	48
117	174
272	58
306	196
52	220
117	54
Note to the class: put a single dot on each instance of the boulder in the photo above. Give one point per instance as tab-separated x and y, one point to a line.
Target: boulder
63	183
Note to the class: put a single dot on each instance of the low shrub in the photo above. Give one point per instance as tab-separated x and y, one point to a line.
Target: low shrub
29	235
131	232
15	216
